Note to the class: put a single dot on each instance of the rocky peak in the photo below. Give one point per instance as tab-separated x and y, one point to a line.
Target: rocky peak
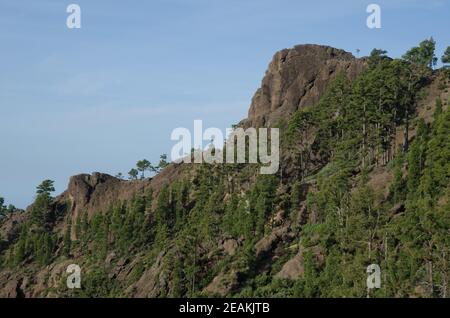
297	78
96	192
93	193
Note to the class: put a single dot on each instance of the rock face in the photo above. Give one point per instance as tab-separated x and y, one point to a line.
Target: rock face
10	228
94	193
222	284
265	245
230	245
297	78
153	282
293	268
12	290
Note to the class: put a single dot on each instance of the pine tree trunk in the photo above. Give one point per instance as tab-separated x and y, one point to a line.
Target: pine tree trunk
364	135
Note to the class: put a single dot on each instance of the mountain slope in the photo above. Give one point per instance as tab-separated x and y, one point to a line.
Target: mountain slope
364	179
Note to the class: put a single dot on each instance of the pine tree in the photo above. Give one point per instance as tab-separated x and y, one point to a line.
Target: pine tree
142	166
116	220
376	57
2	207
40	210
446	57
438	109
397	188
78	226
19	251
162	162
162	216
46	187
416	159
177	278
261	214
133	174
437	165
423	54
296	196
140	220
310	276
67	242
99	230
48	248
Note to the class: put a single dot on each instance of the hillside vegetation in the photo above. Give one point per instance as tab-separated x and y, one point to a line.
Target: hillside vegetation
364	179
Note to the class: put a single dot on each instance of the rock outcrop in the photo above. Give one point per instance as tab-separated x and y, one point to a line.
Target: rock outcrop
292	269
297	78
10	228
96	192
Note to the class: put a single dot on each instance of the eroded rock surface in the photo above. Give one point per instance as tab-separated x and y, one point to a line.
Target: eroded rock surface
297	78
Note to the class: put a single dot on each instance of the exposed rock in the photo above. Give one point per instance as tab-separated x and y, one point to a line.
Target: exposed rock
278	218
111	256
10	226
94	193
265	245
300	215
122	262
397	208
297	78
230	246
12	289
51	276
319	256
380	180
153	282
122	272
222	284
293	268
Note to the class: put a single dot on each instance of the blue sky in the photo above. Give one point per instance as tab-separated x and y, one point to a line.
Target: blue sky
101	97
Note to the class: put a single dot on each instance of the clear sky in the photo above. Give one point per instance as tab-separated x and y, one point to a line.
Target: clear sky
101	97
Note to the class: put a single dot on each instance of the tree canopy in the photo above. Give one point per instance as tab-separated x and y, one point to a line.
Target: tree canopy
46	187
446	57
424	54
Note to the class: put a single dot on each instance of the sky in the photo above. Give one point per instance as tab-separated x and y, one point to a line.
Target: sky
101	97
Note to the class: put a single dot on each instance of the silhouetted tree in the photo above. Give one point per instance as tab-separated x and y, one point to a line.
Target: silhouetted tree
142	166
446	57
163	161
133	174
46	187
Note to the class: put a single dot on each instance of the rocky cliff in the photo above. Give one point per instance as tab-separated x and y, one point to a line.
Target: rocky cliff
297	78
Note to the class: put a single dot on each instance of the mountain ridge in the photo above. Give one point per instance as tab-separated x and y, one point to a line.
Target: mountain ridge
297	81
